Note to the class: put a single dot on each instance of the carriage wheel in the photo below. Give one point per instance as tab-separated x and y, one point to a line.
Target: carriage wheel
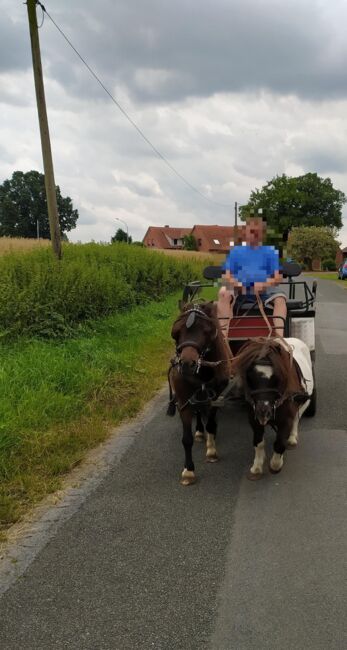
312	407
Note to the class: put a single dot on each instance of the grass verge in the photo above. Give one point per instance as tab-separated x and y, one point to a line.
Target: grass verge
327	275
59	399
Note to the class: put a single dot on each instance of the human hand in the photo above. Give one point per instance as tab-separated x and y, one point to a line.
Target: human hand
259	287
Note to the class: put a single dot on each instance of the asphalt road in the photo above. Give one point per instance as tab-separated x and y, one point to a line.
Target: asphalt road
226	564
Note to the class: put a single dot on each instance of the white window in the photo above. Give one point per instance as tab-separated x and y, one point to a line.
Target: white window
216	241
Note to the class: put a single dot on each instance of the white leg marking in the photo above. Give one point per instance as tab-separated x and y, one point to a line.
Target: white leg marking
259	458
187	477
199	435
293	438
211	451
276	462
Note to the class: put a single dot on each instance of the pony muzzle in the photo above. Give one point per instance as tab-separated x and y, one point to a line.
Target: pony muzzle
188	360
263	411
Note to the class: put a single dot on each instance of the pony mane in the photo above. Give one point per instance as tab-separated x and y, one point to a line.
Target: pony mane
274	350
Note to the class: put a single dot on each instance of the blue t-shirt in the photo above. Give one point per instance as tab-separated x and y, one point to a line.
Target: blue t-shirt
249	265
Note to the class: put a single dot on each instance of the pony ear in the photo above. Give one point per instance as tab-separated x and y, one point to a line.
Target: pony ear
210	308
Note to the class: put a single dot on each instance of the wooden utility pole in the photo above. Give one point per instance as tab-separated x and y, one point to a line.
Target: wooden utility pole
44	131
235	214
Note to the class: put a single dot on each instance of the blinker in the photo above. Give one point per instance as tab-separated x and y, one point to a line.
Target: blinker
190	320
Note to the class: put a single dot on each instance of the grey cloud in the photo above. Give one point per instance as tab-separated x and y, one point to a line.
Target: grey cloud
86	217
14	43
323	161
202	48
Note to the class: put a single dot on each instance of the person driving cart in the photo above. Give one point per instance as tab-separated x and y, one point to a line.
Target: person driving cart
251	272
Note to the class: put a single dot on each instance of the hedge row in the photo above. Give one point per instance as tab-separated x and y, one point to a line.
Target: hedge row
40	296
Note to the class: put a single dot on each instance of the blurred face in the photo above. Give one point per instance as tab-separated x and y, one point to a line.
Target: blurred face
255	231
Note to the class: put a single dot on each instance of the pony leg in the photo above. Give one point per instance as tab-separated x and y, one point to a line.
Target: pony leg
200	429
257	469
188	475
280	444
211	432
293	438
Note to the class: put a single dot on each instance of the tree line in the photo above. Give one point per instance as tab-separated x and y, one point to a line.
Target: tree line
308	203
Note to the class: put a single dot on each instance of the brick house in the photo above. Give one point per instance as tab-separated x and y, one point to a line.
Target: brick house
217	239
165	237
341	256
209	239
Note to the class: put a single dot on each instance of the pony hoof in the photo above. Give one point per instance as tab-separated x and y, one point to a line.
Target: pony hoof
292	443
275	471
212	459
276	463
187	478
254	476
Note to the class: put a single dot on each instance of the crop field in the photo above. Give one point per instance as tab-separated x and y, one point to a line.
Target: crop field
21	245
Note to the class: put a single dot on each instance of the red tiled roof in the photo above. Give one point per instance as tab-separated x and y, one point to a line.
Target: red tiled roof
209	236
158	236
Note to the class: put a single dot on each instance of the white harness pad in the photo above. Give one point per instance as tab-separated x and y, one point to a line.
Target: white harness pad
302	356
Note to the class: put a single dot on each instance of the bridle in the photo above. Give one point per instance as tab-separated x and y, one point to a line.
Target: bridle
193	313
278	402
205	390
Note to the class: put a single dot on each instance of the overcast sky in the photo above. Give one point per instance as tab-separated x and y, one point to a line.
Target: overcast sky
232	93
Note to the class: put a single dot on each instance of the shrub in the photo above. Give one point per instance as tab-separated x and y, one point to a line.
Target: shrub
43	297
329	265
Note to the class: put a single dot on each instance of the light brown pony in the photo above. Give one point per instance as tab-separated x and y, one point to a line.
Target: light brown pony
198	374
273	388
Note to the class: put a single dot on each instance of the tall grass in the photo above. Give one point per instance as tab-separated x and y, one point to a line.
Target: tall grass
21	244
44	297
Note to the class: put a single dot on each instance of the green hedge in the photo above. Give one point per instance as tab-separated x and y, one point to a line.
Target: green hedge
40	296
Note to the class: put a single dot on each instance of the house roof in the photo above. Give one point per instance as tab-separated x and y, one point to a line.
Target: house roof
217	238
160	235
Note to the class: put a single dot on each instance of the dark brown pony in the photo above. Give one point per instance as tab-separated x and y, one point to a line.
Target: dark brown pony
198	374
273	388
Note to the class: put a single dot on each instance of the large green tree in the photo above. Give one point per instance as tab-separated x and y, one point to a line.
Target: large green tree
307	200
23	204
308	243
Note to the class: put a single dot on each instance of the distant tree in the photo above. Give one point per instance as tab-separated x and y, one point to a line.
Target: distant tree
307	200
190	243
121	236
23	204
306	244
138	243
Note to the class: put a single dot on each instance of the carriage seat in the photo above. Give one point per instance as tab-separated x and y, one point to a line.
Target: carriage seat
289	270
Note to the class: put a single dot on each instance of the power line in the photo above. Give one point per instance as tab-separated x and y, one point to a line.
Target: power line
153	147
